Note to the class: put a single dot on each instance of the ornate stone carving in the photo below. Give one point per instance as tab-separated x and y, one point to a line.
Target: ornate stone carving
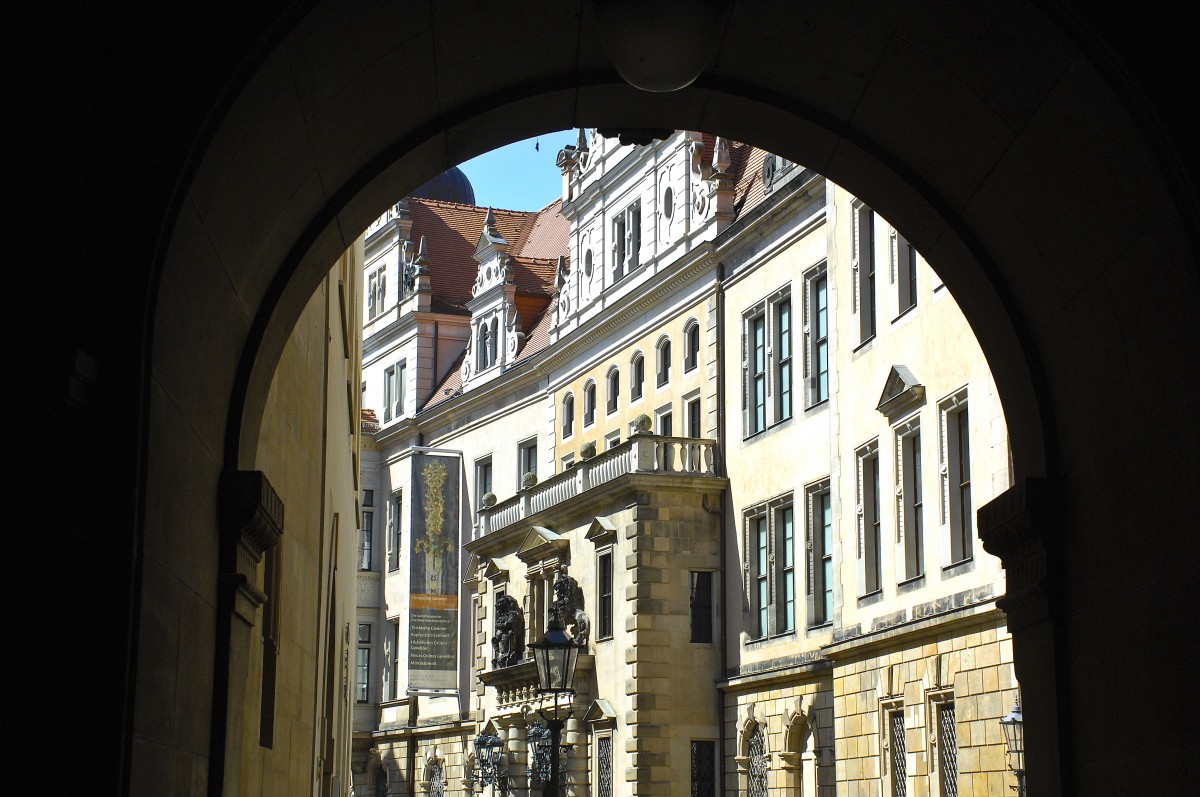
508	642
568	608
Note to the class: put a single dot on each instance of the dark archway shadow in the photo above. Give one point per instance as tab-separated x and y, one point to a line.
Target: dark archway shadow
986	136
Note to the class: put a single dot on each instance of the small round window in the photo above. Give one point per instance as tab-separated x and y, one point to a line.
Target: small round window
587	263
668	203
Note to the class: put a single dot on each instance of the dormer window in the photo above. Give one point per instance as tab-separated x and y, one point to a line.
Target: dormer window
627	240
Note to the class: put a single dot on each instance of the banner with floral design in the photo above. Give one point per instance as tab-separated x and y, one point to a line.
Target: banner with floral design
434	576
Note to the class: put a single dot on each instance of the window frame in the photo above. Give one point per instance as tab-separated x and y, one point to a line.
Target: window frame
864	266
568	416
395	390
362	665
589	404
904	269
366	531
604	600
627	240
765	567
526	458
693	412
954	440
376	292
785	568
869	513
662	362
637	377
395	511
691	344
612	381
763	366
484	474
821	582
700	613
910	505
816	344
937	702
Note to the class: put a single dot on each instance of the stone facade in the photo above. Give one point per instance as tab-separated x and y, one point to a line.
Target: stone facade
770	541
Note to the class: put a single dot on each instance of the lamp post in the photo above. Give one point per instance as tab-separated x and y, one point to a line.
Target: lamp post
556	656
489	757
1014	736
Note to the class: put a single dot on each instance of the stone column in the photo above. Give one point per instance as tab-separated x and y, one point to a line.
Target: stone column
1020	526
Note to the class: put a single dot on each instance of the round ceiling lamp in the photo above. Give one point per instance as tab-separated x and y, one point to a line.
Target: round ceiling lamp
660	46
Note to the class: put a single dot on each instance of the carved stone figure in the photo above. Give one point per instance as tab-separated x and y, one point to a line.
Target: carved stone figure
508	642
568	607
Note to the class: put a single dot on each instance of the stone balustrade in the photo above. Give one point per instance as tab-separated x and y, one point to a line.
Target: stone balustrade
641	454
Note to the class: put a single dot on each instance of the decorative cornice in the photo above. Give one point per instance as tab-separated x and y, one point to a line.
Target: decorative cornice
250	510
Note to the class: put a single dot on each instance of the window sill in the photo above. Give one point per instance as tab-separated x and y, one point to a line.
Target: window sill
870	598
820	627
905	312
817	405
914	583
958	568
866	344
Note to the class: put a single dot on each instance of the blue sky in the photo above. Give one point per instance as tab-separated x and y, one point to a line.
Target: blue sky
518	177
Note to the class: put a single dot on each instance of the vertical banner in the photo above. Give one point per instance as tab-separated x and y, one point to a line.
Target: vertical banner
433	574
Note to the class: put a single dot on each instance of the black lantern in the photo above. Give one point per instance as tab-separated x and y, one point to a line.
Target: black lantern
1014	736
556	656
489	758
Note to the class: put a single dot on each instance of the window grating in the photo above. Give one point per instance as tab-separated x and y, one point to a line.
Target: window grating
703	767
757	781
604	764
899	764
437	781
948	749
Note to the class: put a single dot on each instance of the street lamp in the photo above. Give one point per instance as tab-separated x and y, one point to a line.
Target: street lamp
556	656
1014	736
489	757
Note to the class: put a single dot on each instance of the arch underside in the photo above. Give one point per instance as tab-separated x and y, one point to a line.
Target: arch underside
982	134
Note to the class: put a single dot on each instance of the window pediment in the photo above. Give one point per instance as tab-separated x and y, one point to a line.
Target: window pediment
901	392
540	543
601	531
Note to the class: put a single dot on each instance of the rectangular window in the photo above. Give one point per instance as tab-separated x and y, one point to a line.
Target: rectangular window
395	384
701	605
483	480
362	667
365	533
376	292
526	459
704	768
909	504
693	418
627	240
604	765
956	478
612	440
604	595
758	375
391	656
785	561
817	336
820	555
869	538
393	531
762	586
783	360
906	273
896	753
664	423
864	259
947	744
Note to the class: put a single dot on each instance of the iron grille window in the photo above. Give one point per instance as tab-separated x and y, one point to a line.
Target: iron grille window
604	760
756	781
704	755
948	749
899	763
437	780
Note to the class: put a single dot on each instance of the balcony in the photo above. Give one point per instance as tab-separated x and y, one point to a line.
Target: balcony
645	454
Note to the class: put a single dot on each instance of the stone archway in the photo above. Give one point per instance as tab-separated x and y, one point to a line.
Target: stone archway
984	135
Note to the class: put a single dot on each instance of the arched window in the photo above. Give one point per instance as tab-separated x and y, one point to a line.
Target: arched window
589	404
481	347
756	781
614	388
568	416
637	375
664	362
691	354
494	340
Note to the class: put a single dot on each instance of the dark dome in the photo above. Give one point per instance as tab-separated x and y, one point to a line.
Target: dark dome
449	186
